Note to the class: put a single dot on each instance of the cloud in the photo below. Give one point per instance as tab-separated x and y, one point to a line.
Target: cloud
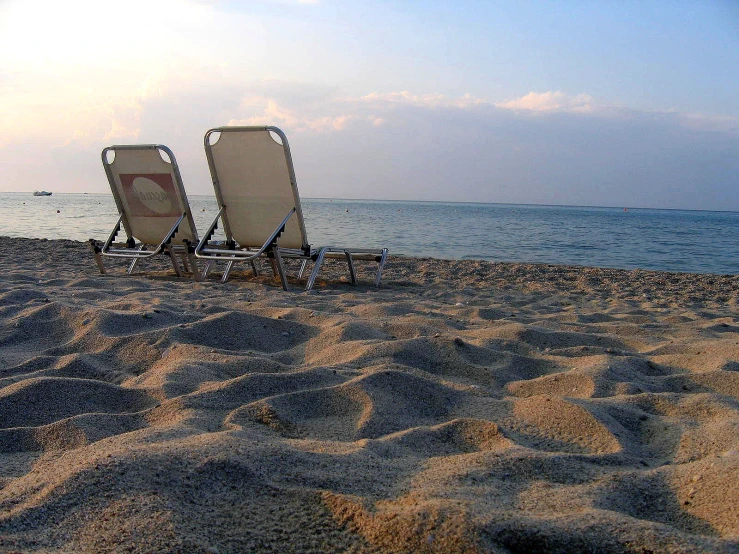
498	155
704	122
404	97
402	145
270	113
295	2
323	110
550	101
125	123
433	147
419	100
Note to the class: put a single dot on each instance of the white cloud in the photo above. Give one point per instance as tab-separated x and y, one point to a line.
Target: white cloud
324	111
420	100
125	123
268	112
550	101
404	97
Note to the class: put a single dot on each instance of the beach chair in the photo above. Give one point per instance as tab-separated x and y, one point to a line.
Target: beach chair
259	207
152	207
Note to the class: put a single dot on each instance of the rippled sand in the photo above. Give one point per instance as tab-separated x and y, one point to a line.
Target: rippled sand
461	407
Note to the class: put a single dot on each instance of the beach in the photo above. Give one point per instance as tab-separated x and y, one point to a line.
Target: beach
462	406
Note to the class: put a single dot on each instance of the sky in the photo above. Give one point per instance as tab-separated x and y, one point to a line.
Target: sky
598	103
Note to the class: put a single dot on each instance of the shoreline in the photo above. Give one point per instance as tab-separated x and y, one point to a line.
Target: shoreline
462	406
729	279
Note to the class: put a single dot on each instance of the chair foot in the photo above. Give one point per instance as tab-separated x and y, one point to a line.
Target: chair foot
206	270
303	265
381	265
175	262
280	266
226	271
350	262
316	269
97	255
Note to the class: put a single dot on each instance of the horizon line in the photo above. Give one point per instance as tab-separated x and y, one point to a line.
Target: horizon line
533	204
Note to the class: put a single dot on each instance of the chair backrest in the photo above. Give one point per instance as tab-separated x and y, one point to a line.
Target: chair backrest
254	180
149	192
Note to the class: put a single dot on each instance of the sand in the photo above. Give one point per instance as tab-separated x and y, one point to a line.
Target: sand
463	406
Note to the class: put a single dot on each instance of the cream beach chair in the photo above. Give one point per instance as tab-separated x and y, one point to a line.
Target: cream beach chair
152	207
259	206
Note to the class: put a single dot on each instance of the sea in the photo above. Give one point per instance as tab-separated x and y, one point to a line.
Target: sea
626	238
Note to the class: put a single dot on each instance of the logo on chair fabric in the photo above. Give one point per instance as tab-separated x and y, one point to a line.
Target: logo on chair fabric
150	194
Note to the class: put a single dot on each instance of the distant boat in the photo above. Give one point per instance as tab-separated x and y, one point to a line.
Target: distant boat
41	193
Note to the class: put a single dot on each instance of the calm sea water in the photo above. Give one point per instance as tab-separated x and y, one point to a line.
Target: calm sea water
671	240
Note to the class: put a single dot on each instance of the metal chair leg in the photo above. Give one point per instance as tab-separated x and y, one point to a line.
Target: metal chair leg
383	259
352	273
316	269
193	265
133	263
97	255
226	271
303	265
175	263
277	262
206	269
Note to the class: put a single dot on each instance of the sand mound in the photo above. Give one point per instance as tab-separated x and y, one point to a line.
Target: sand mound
461	407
